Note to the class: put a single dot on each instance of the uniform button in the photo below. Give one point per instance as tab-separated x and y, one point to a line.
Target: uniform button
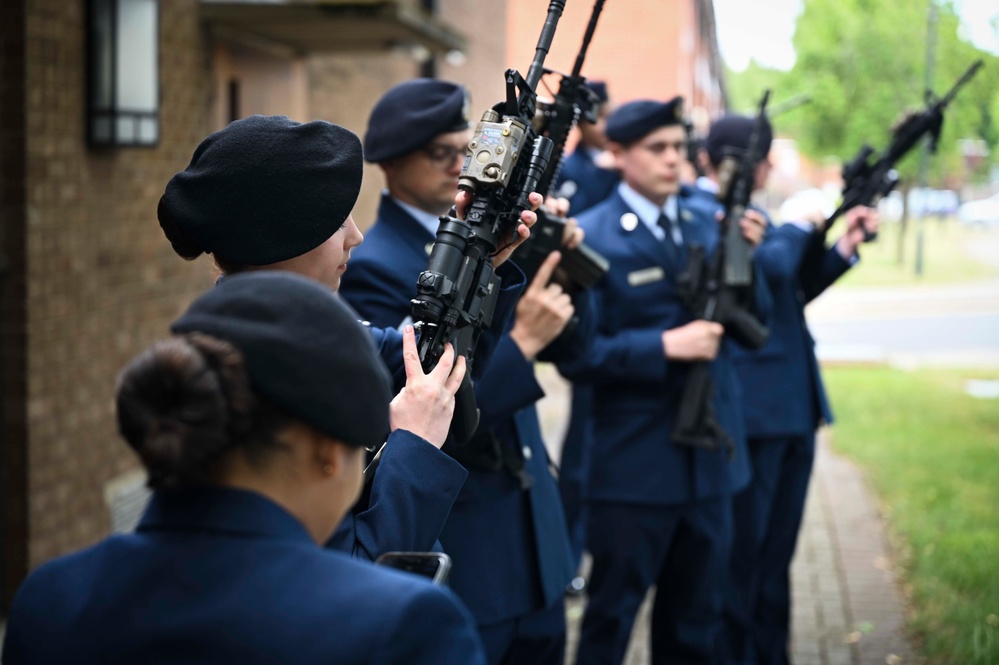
527	453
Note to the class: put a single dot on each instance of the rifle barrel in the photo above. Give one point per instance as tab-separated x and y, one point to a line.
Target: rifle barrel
789	105
961	81
598	7
537	69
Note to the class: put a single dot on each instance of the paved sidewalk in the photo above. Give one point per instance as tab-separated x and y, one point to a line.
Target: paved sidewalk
847	606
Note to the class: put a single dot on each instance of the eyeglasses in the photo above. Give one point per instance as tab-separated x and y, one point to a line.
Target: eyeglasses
443	155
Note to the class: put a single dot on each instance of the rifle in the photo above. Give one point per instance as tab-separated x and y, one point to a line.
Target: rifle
789	105
580	268
456	293
864	182
719	290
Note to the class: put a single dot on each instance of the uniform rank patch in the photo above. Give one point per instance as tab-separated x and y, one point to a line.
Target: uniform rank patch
646	276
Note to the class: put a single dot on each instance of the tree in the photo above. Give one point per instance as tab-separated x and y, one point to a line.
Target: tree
863	63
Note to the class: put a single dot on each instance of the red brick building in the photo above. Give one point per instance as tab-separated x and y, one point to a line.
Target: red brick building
642	48
89	278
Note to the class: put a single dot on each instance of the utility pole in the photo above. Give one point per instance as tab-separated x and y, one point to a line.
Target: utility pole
924	154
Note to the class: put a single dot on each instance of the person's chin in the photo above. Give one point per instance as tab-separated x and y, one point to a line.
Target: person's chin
670	186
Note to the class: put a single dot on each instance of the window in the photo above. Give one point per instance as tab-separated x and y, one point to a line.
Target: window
123	92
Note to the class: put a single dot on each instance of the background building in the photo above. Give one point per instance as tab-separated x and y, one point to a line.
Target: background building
642	48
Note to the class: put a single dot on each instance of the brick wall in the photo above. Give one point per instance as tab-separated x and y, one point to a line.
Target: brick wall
485	24
643	48
102	280
344	88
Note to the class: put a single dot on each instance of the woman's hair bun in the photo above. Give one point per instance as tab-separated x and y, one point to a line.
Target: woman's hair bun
177	402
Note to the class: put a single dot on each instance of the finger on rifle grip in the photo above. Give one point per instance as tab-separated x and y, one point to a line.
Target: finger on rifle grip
546	269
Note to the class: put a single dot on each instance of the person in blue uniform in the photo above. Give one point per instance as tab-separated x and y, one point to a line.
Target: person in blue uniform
587	176
266	192
658	512
251	423
506	533
784	402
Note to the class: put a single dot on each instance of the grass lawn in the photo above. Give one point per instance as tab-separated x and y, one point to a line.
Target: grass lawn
945	256
932	453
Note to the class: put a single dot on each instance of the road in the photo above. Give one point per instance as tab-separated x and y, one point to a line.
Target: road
949	325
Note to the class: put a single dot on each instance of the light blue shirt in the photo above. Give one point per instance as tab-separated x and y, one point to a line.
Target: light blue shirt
707	184
427	220
648	212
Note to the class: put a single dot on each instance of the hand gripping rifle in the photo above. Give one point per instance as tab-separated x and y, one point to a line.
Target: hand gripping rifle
720	290
456	294
580	268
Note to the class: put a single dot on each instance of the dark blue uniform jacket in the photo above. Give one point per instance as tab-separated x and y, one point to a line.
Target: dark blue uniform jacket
775	377
416	484
226	576
590	183
509	547
636	390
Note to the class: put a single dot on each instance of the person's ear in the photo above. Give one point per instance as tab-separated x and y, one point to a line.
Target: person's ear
617	152
389	168
332	457
326	457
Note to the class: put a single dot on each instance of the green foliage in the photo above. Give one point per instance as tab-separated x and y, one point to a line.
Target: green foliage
745	88
863	62
933	455
946	257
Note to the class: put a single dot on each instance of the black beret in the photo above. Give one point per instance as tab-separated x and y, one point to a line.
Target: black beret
599	89
634	120
304	348
411	114
731	134
265	189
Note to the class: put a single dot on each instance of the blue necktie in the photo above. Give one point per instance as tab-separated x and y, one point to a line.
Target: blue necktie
672	250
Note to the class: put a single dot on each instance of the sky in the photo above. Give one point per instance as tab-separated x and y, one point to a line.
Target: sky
740	24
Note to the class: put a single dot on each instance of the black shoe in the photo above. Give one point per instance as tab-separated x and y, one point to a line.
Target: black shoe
576	587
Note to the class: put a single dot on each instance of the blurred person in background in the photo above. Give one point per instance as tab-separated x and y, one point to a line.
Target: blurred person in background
784	402
658	511
588	175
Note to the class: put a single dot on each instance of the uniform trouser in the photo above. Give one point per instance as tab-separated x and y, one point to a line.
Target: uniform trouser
766	519
534	639
683	550
573	470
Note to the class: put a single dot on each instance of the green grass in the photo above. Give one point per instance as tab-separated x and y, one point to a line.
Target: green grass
932	453
945	256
